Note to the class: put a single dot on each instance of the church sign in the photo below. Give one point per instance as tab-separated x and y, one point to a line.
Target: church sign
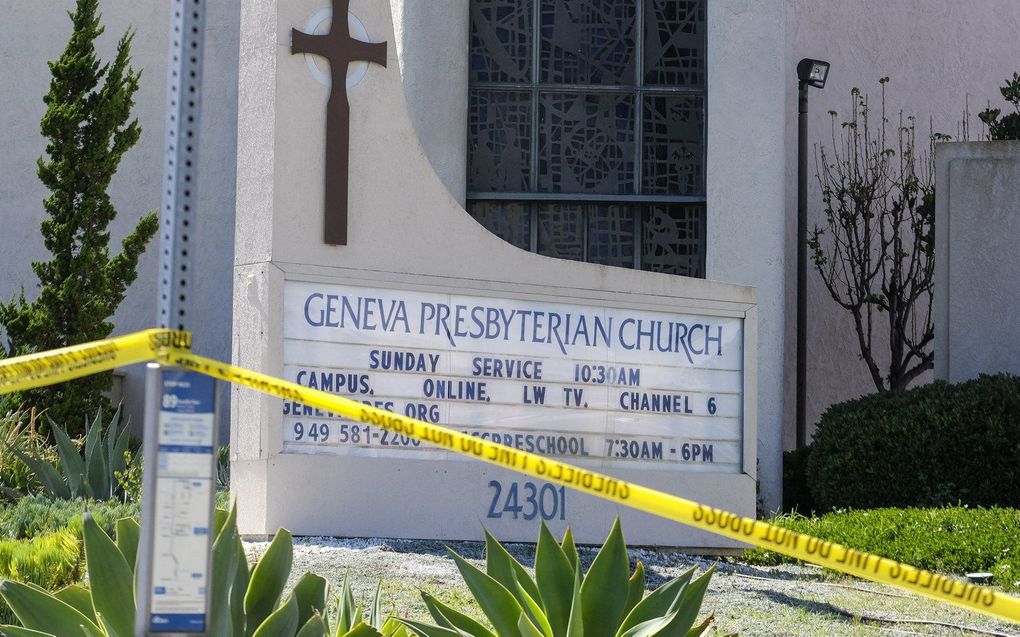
617	386
411	306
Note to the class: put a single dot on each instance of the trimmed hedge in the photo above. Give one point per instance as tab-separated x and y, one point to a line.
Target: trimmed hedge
955	540
935	445
796	494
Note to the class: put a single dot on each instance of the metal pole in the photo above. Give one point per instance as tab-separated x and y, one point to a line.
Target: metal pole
177	234
143	563
802	151
177	218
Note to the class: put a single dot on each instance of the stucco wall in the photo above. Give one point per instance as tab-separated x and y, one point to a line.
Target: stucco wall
432	43
937	54
33	33
976	290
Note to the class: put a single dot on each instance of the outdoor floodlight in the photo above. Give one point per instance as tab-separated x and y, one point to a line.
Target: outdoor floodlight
813	72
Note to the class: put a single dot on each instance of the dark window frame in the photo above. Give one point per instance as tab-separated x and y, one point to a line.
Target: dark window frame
533	200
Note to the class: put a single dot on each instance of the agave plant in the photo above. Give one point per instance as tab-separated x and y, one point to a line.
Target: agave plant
607	601
244	602
91	475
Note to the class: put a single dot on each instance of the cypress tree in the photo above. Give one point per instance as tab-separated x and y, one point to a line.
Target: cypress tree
88	128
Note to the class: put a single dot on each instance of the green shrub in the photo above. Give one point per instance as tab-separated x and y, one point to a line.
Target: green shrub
52	560
562	601
931	446
1007	574
92	475
796	494
129	480
36	515
1009	126
18	430
953	540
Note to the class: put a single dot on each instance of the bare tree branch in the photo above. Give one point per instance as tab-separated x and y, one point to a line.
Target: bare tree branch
875	252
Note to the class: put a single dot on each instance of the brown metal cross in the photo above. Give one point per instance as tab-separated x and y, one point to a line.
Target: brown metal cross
340	49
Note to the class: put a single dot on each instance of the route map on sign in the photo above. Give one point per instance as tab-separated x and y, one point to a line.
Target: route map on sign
183	496
567	381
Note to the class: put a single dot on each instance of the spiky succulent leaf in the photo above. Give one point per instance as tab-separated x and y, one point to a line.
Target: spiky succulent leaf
570	549
575	625
314	627
526	628
698	630
505	569
47	474
311	593
117	461
554	576
238	590
70	460
660	602
604	590
498	604
220	517
281	622
108	629
96	468
428	630
128	534
224	568
688	607
347	611
636	588
393	628
535	612
268	578
18	631
652	627
110	440
78	597
361	629
375	615
448	617
110	577
38	610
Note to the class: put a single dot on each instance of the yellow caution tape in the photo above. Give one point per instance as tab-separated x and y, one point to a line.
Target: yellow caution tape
170	348
761	534
57	366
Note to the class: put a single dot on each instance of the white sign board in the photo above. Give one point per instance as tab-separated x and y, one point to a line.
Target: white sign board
626	388
183	497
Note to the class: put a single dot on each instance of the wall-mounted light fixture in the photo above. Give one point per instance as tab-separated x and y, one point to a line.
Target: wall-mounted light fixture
809	73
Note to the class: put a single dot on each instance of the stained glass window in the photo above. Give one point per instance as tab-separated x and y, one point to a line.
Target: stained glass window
586	129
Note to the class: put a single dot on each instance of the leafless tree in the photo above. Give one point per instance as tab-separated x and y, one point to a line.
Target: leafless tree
875	251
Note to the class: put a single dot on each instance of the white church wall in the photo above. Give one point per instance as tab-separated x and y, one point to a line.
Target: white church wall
977	294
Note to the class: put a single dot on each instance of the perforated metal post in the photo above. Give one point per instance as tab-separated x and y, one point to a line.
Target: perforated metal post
184	93
177	235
